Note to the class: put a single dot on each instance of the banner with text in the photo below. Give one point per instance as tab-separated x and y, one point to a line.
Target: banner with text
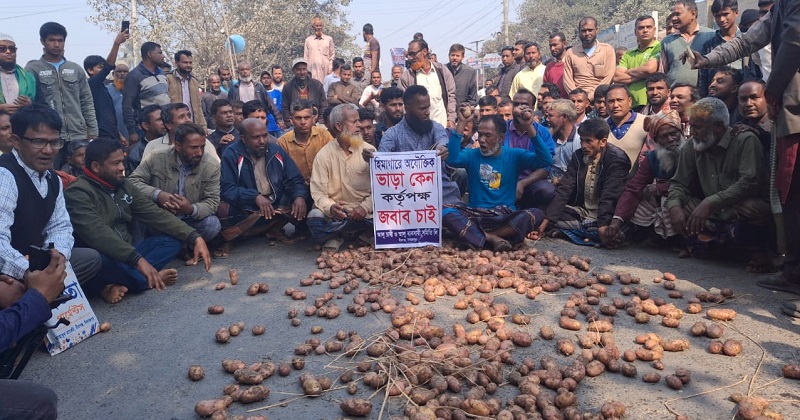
82	321
407	199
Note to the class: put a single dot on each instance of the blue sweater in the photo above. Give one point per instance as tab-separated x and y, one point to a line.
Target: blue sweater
493	179
29	312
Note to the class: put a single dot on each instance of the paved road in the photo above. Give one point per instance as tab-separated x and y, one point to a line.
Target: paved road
138	369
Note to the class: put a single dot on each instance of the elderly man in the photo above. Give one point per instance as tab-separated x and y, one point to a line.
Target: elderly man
17	85
435	78
587	194
103	204
301	87
492	170
591	63
262	190
563	118
184	181
319	51
727	168
642	202
340	184
627	125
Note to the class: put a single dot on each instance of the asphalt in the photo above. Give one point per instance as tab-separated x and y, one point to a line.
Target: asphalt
138	370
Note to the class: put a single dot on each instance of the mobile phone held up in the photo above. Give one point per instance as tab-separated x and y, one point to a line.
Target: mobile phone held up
126	25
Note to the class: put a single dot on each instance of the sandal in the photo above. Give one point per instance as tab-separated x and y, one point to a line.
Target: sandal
223	251
332	245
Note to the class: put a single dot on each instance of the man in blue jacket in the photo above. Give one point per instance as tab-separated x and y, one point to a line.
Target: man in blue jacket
261	188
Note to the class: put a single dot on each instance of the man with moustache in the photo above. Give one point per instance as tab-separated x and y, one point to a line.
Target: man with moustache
491	217
301	87
642	202
392	111
506	74
554	71
657	94
224	73
586	197
102	204
725	86
225	132
639	63
340	184
212	93
152	126
261	188
183	87
627	125
145	85
249	90
435	78
726	166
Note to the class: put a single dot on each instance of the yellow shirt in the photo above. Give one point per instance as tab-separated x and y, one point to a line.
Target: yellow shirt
528	79
303	154
339	178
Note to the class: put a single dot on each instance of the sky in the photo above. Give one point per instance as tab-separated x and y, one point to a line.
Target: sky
442	22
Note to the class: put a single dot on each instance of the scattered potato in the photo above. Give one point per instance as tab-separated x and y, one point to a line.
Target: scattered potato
105	327
206	408
216	309
196	373
358	407
219	286
673	382
569	324
258	329
233	276
254	394
791	371
715	331
718	314
546	332
651	378
223	335
731	347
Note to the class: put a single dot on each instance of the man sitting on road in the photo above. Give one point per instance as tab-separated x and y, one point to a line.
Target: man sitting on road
184	180
642	202
587	194
262	189
627	125
492	170
340	184
305	139
32	211
726	166
103	204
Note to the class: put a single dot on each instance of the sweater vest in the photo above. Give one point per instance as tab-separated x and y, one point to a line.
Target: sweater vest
633	141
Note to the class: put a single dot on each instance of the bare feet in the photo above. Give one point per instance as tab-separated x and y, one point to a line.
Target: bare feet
113	293
169	276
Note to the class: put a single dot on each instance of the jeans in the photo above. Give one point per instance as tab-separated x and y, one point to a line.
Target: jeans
27	400
208	227
86	263
157	250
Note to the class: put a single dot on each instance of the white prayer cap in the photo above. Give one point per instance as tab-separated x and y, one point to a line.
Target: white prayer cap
6	37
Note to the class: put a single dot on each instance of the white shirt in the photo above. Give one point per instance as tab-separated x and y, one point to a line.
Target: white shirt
369	90
431	82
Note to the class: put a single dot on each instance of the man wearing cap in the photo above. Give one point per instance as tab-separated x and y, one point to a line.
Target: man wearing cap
302	87
17	85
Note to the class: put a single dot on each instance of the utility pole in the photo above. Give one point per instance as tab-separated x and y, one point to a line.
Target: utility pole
228	40
505	20
134	32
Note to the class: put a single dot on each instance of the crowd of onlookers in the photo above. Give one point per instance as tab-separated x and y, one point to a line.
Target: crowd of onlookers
689	141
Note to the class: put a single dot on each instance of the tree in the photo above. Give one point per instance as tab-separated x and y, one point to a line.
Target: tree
274	30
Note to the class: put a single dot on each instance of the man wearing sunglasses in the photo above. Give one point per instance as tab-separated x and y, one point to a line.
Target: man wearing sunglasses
17	85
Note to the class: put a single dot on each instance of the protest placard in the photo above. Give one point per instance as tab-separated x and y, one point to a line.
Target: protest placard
82	321
407	199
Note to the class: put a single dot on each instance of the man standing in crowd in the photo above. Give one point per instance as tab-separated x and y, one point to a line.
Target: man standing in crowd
115	90
554	71
530	77
145	85
62	85
627	125
17	85
506	74
344	92
591	63
397	71
436	79
184	181
212	93
277	77
318	51
301	87
372	50
225	132
463	76
275	125
599	102
305	139
262	189
334	75
657	94
639	63
689	34
152	126
725	13
248	90
182	87
32	211
224	73
98	69
102	205
371	95
340	184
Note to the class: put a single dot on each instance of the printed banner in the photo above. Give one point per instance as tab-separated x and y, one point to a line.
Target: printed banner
407	199
398	56
82	321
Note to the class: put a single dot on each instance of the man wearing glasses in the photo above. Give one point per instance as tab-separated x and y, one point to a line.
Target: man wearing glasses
17	85
435	78
32	211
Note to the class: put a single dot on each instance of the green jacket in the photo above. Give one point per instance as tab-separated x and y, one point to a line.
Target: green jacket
26	82
100	218
161	172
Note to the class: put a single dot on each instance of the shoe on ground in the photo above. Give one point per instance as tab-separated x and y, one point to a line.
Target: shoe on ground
791	308
779	283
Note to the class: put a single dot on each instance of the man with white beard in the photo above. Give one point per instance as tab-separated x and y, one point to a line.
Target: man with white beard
340	184
728	167
642	202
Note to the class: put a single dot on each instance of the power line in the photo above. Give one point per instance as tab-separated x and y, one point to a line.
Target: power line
43	13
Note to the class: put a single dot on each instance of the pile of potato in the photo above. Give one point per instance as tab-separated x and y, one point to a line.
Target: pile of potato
454	371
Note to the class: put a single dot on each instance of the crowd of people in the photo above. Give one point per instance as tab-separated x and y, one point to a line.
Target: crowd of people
688	141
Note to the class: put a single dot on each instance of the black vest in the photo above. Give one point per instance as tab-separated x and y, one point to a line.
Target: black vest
32	212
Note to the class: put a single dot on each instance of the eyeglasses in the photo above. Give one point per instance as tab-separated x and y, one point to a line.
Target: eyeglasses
411	54
39	144
4	48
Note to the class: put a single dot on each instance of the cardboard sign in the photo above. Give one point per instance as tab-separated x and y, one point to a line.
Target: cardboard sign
83	322
407	199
